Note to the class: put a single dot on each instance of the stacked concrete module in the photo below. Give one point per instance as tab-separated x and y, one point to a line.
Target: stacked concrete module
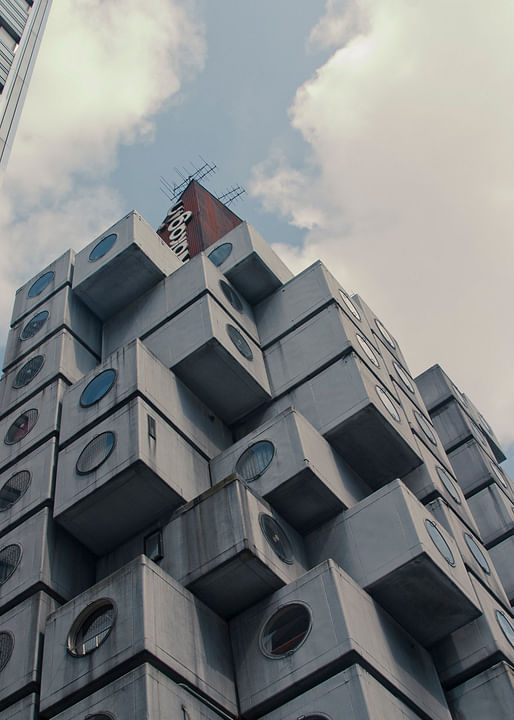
223	496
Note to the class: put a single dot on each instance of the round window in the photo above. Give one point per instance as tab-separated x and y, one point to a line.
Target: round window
102	248
368	350
484	423
254	461
28	372
95	453
10	557
440	542
97	388
286	630
239	342
34	325
100	716
506	626
425	426
231	296
349	304
385	333
91	628
448	484
12	490
313	717
460	395
276	537
477	553
498	473
21	427
41	283
387	402
404	376
220	254
6	646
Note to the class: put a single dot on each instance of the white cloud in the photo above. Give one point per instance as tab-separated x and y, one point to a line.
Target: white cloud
410	174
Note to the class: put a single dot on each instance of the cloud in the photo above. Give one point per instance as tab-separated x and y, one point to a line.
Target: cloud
406	187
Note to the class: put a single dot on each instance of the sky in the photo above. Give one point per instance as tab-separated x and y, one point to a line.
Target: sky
373	134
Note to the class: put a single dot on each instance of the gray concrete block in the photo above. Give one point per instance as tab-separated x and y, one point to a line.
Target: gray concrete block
25	709
138	372
494	514
156	621
379	331
385	544
437	388
454	427
474	469
146	470
61	311
305	481
197	345
487	695
38	289
131	259
486	428
336	624
252	267
502	556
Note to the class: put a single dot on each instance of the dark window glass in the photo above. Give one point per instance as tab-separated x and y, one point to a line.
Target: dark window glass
387	402
92	630
254	461
6	646
231	296
41	283
448	484
34	325
9	559
12	490
440	542
404	376
220	254
385	333
21	427
239	342
368	350
102	248
276	537
477	553
506	626
349	304
97	388
286	630
498	474
425	426
28	372
95	453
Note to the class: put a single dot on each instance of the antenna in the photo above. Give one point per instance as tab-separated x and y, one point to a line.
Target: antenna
230	195
185	175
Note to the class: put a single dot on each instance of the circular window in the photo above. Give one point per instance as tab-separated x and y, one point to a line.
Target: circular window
426	427
28	372
239	342
21	427
220	254
41	283
404	376
313	717
254	461
349	304
12	490
99	716
10	557
477	553
498	473
440	542
448	484
95	453
484	423
368	350
34	325
460	395
286	630
387	402
385	334
506	626
91	628
276	537
97	388
102	248
231	296
6	646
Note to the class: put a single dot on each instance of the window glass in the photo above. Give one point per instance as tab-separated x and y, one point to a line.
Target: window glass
12	490
34	325
92	630
368	350
28	372
239	342
9	560
506	626
440	542
498	474
254	461
349	304
426	427
102	248
41	283
387	402
231	296
276	537
95	453
404	376
286	630
220	254
448	484
385	334
6	646
21	427
97	388
477	553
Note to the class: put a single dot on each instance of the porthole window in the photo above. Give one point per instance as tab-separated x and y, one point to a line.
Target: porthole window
477	553
40	284
220	254
286	630
506	626
368	350
448	484
21	427
425	427
349	304
10	557
254	461
440	542
97	388
313	717
385	333
498	474
404	376
28	372
102	248
100	716
479	435
460	395
91	628
34	325
95	453
12	490
276	537
239	342
485	424
231	296
6	646
387	402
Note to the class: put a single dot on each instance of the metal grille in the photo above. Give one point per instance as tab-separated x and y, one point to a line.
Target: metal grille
239	342
6	646
21	427
41	283
9	560
29	371
14	488
95	453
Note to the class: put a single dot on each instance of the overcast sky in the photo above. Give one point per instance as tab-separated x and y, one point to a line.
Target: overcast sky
374	134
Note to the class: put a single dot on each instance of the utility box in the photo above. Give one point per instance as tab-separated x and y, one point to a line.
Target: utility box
121	264
487	695
494	514
475	469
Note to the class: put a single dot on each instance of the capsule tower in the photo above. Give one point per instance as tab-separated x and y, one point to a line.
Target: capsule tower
223	495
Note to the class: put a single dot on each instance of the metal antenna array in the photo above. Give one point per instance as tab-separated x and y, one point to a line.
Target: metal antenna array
230	195
173	191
